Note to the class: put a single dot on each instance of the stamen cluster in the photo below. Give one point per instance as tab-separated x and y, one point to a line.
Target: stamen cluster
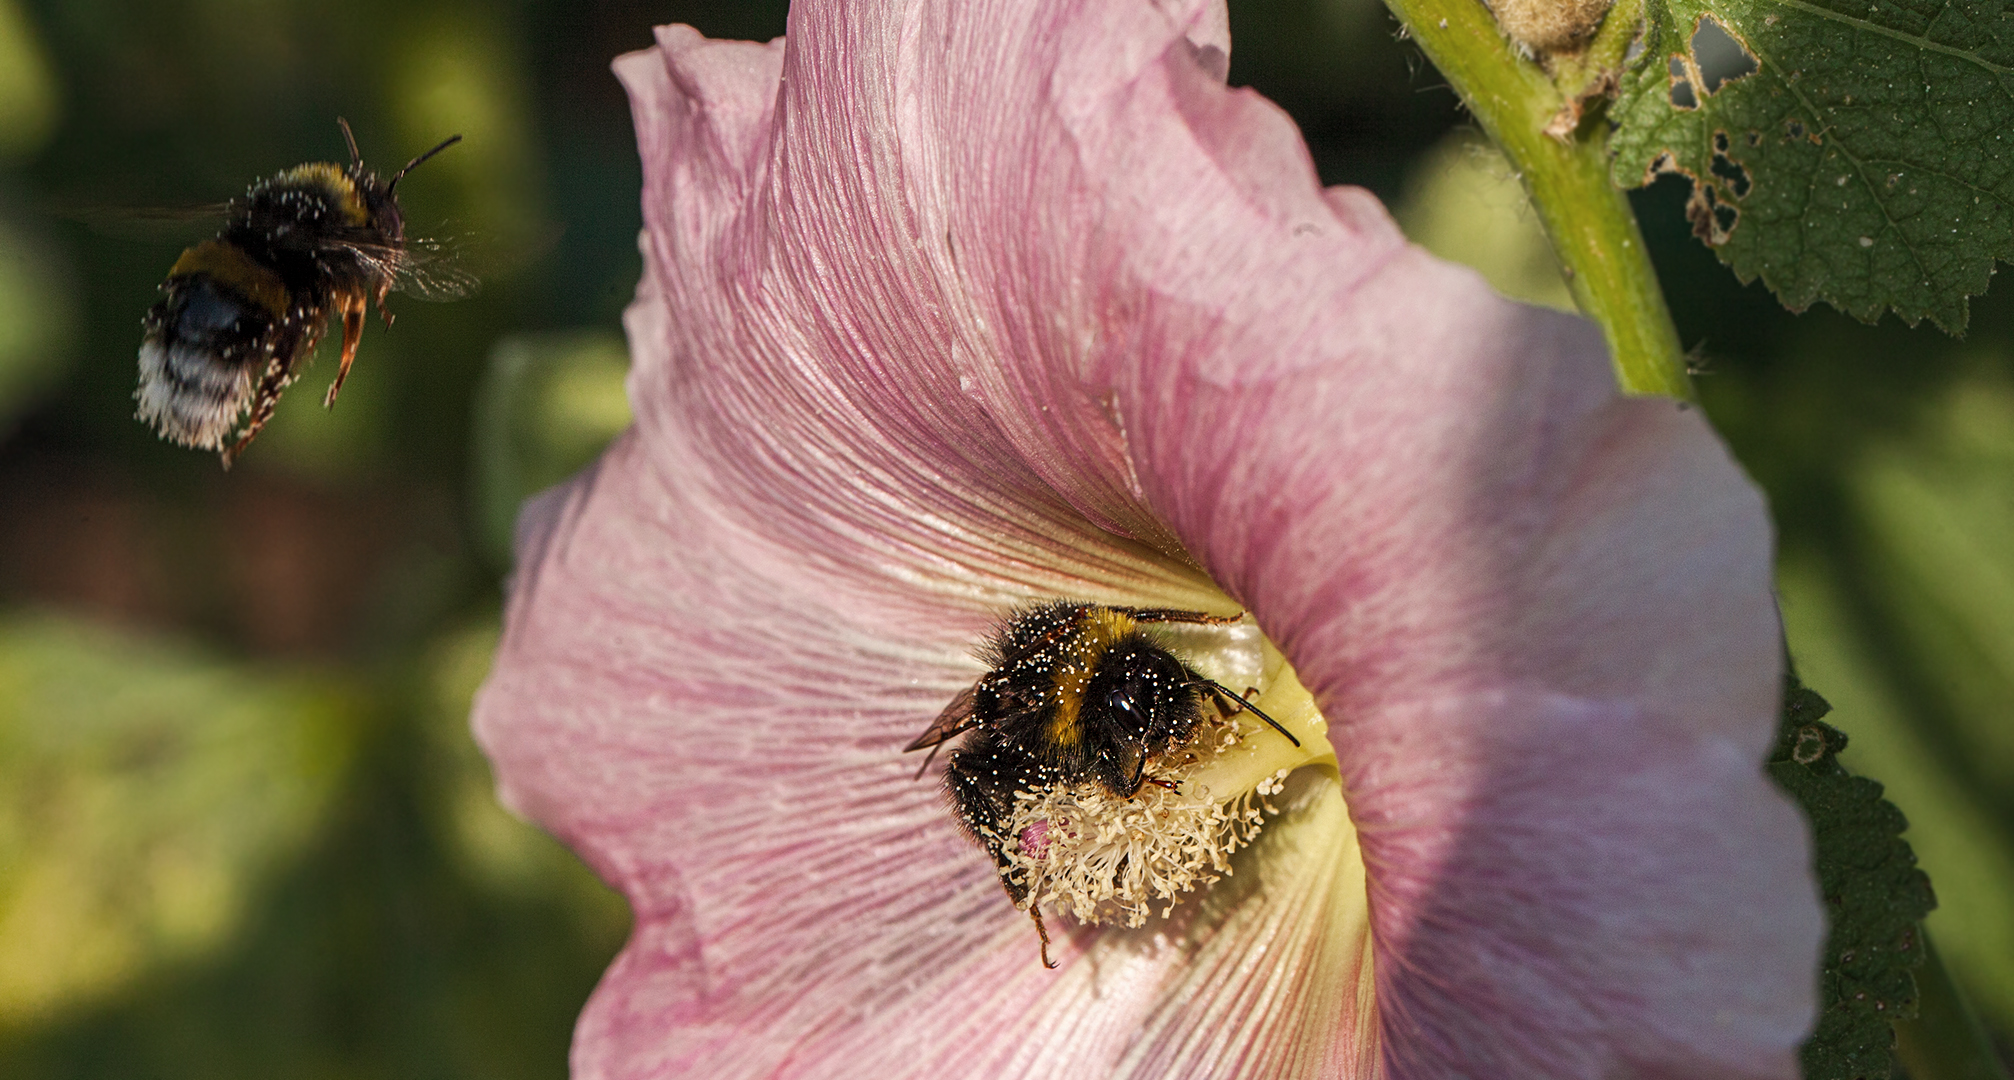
1109	859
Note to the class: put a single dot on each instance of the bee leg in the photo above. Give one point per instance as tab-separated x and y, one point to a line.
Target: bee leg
1244	704
352	307
927	761
1169	784
384	313
1042	932
270	385
1178	616
1228	704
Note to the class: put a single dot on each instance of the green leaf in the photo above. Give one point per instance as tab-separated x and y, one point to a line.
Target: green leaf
1875	897
147	793
1852	151
37	309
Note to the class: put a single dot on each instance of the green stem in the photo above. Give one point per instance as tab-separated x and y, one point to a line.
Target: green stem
1945	1041
1586	216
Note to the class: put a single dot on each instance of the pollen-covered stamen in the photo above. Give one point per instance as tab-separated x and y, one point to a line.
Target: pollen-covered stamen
1103	858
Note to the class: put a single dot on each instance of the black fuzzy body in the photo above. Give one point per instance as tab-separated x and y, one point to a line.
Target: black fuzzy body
1077	693
241	314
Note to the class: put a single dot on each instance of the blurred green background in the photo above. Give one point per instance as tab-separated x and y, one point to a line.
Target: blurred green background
243	830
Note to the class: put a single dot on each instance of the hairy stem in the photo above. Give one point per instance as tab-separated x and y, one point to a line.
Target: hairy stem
1588	219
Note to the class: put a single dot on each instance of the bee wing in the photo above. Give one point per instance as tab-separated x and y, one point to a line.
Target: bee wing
146	224
955	720
431	270
426	269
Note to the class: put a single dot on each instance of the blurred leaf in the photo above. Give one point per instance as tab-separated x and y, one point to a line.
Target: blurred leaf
1851	151
459	72
547	406
35	318
1941	507
386	939
146	791
1464	203
1874	895
27	86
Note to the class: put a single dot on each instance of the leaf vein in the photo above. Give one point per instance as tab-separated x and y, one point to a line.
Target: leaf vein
1906	38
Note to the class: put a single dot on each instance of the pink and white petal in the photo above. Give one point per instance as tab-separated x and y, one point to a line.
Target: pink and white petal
721	747
805	365
721	744
1526	604
854	438
826	351
1540	620
807	358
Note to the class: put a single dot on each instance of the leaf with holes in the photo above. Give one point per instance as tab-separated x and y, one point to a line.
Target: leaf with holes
1859	152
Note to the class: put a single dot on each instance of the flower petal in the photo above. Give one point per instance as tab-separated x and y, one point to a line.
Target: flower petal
809	361
722	746
1539	618
953	303
1495	573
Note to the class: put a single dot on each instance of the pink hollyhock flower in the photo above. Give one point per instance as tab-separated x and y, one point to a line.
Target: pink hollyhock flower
957	305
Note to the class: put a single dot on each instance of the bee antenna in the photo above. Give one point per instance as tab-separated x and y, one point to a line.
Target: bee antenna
355	158
401	174
1225	691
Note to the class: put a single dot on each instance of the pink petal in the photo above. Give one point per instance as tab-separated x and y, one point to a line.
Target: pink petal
723	746
975	277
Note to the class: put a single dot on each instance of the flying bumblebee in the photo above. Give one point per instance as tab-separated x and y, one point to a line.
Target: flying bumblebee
242	313
1076	692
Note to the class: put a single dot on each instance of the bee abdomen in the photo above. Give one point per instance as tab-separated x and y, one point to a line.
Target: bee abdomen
981	781
200	360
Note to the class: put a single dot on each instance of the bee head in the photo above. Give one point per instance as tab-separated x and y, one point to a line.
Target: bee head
379	201
379	205
1142	695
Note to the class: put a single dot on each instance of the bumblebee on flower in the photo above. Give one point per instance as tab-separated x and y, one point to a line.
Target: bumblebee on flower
1079	696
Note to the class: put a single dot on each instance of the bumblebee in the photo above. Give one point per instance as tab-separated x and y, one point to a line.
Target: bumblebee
1075	693
240	314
